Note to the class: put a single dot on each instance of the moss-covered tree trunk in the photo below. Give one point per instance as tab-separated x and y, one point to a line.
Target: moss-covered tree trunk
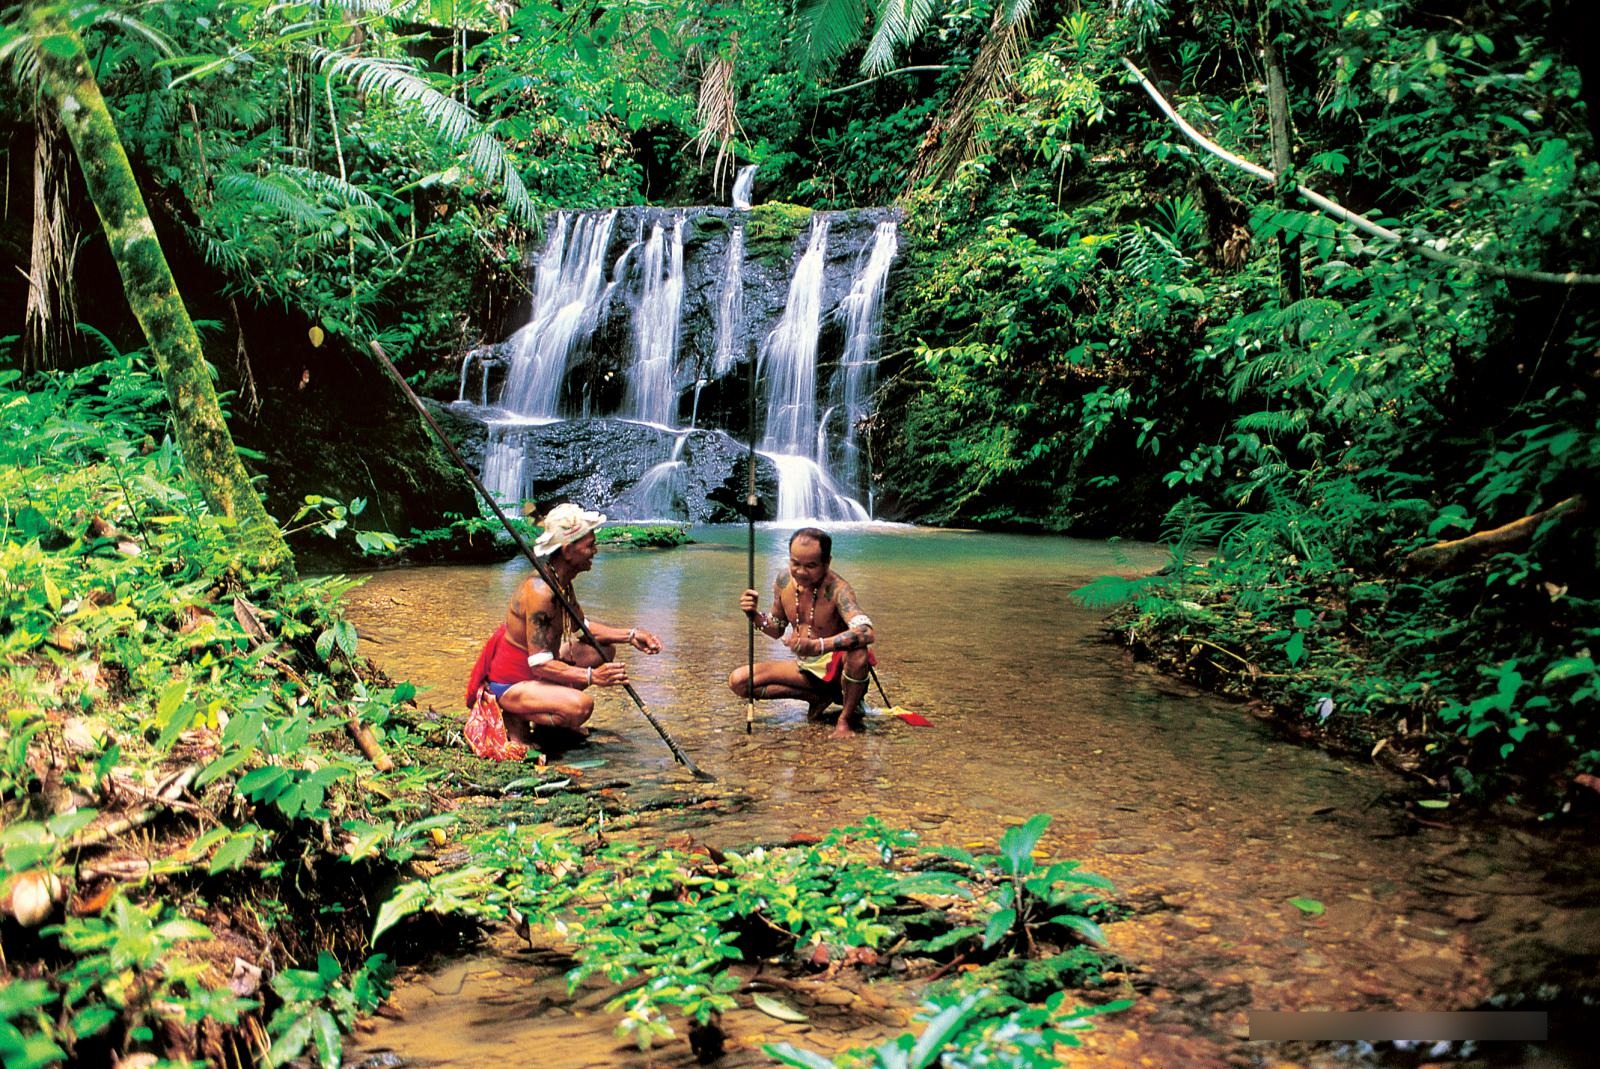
68	86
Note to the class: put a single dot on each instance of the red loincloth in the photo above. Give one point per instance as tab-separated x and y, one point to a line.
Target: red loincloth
498	662
835	667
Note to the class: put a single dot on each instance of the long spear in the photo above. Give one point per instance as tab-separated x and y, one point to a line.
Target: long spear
538	565
750	501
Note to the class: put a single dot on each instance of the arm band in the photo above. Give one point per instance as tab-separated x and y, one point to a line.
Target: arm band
860	619
540	658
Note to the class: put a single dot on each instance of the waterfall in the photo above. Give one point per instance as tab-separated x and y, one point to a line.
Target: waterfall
658	494
651	396
743	183
789	355
565	308
805	492
466	364
634	307
730	307
862	310
504	464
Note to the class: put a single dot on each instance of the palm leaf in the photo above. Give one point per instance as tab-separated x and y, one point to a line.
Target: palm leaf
399	81
899	23
717	115
954	136
824	29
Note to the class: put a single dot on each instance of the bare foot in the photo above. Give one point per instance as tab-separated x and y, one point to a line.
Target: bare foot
818	709
844	729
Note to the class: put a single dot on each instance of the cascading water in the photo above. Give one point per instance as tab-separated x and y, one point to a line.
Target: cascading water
615	301
504	465
789	359
862	311
658	495
789	355
743	183
651	395
730	307
565	307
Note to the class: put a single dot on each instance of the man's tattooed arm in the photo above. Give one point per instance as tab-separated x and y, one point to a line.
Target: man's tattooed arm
860	631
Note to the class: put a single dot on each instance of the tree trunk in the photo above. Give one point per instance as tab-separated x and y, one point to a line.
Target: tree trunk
68	86
1282	153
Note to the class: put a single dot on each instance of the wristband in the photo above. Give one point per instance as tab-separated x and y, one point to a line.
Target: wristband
590	683
537	659
632	633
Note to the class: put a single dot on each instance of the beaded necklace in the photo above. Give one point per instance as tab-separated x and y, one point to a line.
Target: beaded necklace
811	617
561	607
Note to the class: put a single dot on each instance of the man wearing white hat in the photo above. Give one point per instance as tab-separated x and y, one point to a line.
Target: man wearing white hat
541	666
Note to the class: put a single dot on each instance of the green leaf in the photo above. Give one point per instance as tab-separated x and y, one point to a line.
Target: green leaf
1309	906
233	853
999	924
799	1059
1018	844
1434	803
1083	926
777	1008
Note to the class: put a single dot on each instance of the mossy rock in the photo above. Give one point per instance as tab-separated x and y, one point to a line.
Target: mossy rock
775	223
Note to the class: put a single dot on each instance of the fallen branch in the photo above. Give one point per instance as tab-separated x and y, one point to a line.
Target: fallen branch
1340	212
165	796
367	742
1461	553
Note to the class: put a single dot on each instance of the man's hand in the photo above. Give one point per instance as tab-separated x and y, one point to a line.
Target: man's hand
749	602
803	647
644	641
610	674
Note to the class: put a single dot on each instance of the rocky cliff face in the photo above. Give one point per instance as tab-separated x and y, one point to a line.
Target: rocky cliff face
599	461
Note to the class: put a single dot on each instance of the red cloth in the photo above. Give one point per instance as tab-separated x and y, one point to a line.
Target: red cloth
836	666
485	729
498	662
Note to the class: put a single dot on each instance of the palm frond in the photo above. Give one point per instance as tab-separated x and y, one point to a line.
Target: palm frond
398	80
344	193
123	21
954	136
717	115
899	23
824	29
1013	12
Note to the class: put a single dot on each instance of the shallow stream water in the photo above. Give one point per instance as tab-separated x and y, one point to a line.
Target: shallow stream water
1208	824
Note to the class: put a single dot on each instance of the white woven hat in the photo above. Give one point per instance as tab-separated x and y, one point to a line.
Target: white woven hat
564	525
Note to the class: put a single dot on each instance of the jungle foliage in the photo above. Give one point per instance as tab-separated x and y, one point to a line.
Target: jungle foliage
1102	327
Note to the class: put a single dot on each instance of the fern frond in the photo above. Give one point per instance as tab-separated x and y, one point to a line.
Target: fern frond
1151	255
824	29
274	195
1275	423
398	80
107	346
1110	591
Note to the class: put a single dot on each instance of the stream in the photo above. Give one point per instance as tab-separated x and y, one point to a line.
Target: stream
1206	821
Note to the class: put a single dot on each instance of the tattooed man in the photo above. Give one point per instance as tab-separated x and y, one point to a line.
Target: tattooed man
815	613
540	665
